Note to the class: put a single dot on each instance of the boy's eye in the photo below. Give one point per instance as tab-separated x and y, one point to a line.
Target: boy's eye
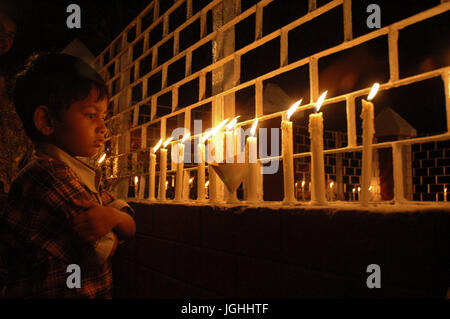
92	116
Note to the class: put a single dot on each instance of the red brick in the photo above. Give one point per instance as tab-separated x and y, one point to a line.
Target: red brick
257	233
165	217
256	278
188	225
164	287
401	244
188	263
124	279
218	272
300	282
307	237
216	227
206	268
144	218
156	253
126	250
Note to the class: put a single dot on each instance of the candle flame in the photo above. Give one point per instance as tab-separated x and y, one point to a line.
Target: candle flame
320	101
232	123
373	91
102	158
214	130
191	180
167	141
303	183
167	184
331	184
206	184
353	190
253	130
157	145
370	188
185	137
136	180
206	135
293	108
359	189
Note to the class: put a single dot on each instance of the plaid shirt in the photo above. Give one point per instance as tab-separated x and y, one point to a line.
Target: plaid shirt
37	241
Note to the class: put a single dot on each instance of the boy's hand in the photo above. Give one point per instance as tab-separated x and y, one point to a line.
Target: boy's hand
95	222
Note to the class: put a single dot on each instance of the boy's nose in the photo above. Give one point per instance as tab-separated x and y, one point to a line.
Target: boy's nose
102	127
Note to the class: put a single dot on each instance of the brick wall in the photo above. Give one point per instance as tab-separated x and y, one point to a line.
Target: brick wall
200	252
431	170
430	166
348	163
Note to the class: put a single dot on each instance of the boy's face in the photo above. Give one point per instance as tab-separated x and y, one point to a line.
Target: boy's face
81	131
7	33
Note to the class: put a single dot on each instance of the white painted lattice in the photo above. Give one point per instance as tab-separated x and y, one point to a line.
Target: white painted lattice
225	73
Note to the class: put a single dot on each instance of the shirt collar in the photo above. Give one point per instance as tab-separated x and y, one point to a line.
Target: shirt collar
84	172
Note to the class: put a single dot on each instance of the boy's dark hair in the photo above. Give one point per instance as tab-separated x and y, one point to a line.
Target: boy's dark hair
55	80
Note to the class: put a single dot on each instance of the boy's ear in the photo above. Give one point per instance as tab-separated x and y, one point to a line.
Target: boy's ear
43	121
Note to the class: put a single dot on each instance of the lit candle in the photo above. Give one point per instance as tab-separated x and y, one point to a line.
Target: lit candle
253	171
163	171
367	116
331	197
445	194
136	186
201	171
230	141
230	151
99	171
317	165
187	182
303	190
211	151
353	193
180	167
101	159
212	190
287	151
206	186
152	168
359	193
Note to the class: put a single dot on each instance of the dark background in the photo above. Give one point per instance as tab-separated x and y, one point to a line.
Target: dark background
41	24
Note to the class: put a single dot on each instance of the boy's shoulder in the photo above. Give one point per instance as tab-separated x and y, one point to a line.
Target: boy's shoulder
44	168
42	174
41	188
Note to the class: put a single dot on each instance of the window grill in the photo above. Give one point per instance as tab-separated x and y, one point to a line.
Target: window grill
152	71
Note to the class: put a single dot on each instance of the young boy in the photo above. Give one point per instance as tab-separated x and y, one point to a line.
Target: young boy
57	213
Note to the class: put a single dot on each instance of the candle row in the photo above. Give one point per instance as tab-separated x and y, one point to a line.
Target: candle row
229	152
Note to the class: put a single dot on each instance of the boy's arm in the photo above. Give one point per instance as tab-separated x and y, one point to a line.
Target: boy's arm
111	201
96	221
122	206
